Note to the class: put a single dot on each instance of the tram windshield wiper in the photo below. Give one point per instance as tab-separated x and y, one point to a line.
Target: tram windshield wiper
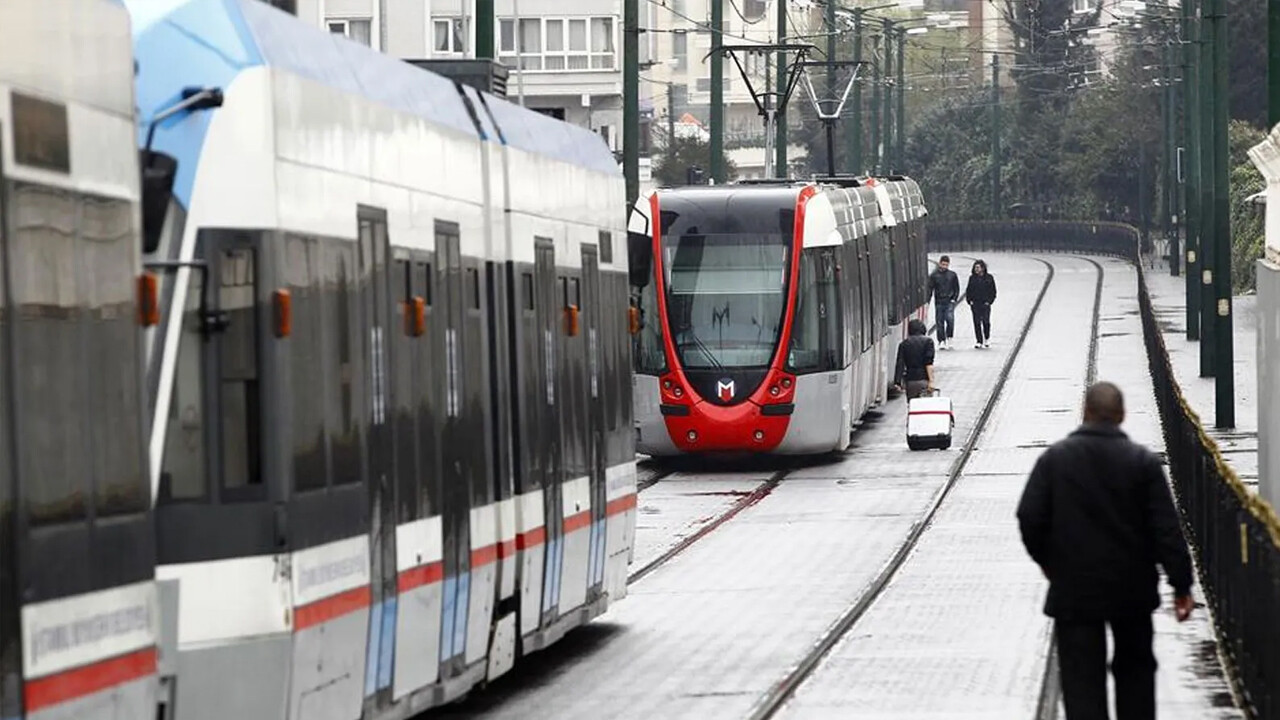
703	347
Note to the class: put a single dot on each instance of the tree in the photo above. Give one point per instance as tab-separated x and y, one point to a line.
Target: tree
1247	234
672	166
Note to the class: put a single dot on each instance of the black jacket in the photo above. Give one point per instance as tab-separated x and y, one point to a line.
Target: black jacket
980	290
1098	516
914	353
944	285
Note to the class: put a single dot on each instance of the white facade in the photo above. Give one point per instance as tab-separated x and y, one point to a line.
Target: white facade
570	51
1266	156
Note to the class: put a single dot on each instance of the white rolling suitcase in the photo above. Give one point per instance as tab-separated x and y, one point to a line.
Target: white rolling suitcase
929	422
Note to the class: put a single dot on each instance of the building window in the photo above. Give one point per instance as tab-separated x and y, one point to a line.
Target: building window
680	49
754	9
1082	6
558	44
704	84
356	29
450	36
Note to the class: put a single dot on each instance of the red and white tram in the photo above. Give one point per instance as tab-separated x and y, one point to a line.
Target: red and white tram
766	316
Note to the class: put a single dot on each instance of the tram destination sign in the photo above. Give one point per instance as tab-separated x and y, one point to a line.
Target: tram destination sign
40	135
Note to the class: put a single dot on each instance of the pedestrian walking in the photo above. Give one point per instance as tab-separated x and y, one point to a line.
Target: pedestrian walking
944	286
1098	517
980	292
915	361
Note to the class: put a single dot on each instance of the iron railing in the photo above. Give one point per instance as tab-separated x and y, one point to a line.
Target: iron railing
1233	533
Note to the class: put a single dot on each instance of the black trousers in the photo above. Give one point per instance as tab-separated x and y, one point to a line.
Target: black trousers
981	321
1082	659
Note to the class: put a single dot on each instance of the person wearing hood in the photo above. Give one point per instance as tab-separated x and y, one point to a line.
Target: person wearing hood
980	293
944	286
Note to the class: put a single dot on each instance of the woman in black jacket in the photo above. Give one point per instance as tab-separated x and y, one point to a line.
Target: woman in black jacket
980	293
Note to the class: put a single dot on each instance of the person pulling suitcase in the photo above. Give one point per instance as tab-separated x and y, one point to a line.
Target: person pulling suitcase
915	361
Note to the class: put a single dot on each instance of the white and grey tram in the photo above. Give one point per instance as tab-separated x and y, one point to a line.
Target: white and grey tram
78	604
378	441
771	311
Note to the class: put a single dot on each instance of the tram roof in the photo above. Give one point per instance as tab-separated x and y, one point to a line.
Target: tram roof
207	43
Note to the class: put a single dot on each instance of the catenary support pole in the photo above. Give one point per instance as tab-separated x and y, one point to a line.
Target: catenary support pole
484	30
829	26
886	153
1224	355
995	137
855	126
717	92
873	147
1170	183
1208	210
899	154
631	98
1273	63
1191	154
780	122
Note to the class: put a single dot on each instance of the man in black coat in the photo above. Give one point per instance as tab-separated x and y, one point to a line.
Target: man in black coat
980	293
1097	516
944	286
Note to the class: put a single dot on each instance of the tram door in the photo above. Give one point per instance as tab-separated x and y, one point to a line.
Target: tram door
375	307
550	324
595	417
455	440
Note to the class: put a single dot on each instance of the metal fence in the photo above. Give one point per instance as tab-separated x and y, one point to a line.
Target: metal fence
1234	534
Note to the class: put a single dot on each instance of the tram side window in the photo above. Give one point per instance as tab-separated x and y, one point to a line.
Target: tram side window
816	339
184	476
55	460
606	246
647	350
241	454
306	348
343	369
110	336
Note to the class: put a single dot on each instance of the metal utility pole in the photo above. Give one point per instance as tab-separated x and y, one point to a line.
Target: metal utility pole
887	107
717	92
484	30
899	155
1170	175
830	24
1224	355
630	97
780	123
1191	188
1273	64
671	122
854	136
873	161
1208	209
995	136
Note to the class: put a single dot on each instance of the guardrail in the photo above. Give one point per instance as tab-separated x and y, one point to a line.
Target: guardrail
1233	533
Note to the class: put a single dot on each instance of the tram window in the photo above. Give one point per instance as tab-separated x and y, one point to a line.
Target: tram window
110	335
647	348
53	449
343	368
424	270
405	269
815	333
606	246
307	363
184	476
5	479
241	454
577	293
473	287
526	289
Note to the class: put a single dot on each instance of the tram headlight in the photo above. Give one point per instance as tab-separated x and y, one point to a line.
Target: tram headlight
692	435
774	391
678	392
786	382
759	436
666	384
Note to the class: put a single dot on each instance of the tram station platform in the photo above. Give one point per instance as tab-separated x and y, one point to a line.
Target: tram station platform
952	625
1239	445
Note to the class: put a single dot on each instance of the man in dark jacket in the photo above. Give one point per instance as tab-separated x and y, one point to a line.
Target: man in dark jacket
944	286
1097	516
914	368
980	293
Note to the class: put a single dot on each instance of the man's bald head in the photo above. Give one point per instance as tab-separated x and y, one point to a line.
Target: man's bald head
1104	403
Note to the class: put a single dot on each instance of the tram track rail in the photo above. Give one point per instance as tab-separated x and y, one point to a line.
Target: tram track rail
1050	684
773	701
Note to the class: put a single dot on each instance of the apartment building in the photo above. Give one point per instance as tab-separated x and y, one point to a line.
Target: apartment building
565	56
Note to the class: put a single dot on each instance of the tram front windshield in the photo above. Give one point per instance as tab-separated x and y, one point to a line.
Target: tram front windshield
726	294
